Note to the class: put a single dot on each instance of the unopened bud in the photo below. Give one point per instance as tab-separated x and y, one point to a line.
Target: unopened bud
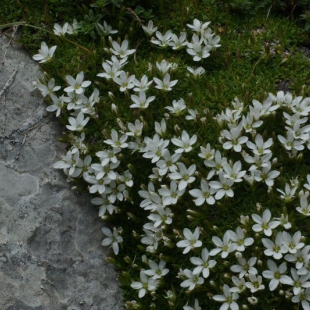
258	207
238	254
114	108
252	300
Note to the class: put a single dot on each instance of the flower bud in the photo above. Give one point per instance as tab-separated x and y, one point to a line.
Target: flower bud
258	207
110	260
227	276
212	283
170	295
114	108
300	157
177	130
238	254
252	300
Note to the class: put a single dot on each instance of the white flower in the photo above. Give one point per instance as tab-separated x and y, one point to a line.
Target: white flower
255	284
48	89
198	51
172	194
211	39
146	284
258	162
126	178
245	267
106	29
260	147
104	205
276	274
192	115
301	106
224	246
249	124
196	72
303	297
76	85
115	141
234	139
162	40
216	163
161	127
196	306
45	54
288	194
163	215
207	152
142	85
238	237
165	84
192	280
154	148
157	270
107	156
240	285
112	238
228	299
98	185
111	70
292	243
290	143
198	26
203	264
149	29
299	132
266	175
304	205
284	221
307	185
191	240
184	175
298	282
78	123
141	101
60	31
177	107
125	81
176	42
163	67
58	104
223	187
185	143
301	258
168	162
258	109
122	50
204	195
234	172
275	249
263	223
135	129
71	161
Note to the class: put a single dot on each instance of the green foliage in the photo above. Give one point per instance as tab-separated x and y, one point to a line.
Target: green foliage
90	24
255	55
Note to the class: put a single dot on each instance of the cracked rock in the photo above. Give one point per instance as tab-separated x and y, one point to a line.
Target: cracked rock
51	256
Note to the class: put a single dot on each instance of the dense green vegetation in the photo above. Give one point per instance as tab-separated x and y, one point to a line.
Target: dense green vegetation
264	49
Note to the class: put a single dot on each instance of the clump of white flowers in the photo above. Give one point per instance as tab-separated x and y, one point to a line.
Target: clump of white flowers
188	177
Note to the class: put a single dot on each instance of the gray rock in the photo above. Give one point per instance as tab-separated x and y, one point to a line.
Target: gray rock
51	256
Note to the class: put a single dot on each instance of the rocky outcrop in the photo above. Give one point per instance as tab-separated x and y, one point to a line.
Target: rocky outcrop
51	256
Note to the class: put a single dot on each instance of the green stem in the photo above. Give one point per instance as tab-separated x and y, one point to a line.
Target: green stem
23	23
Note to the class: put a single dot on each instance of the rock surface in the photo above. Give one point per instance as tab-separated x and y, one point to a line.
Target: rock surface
51	256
